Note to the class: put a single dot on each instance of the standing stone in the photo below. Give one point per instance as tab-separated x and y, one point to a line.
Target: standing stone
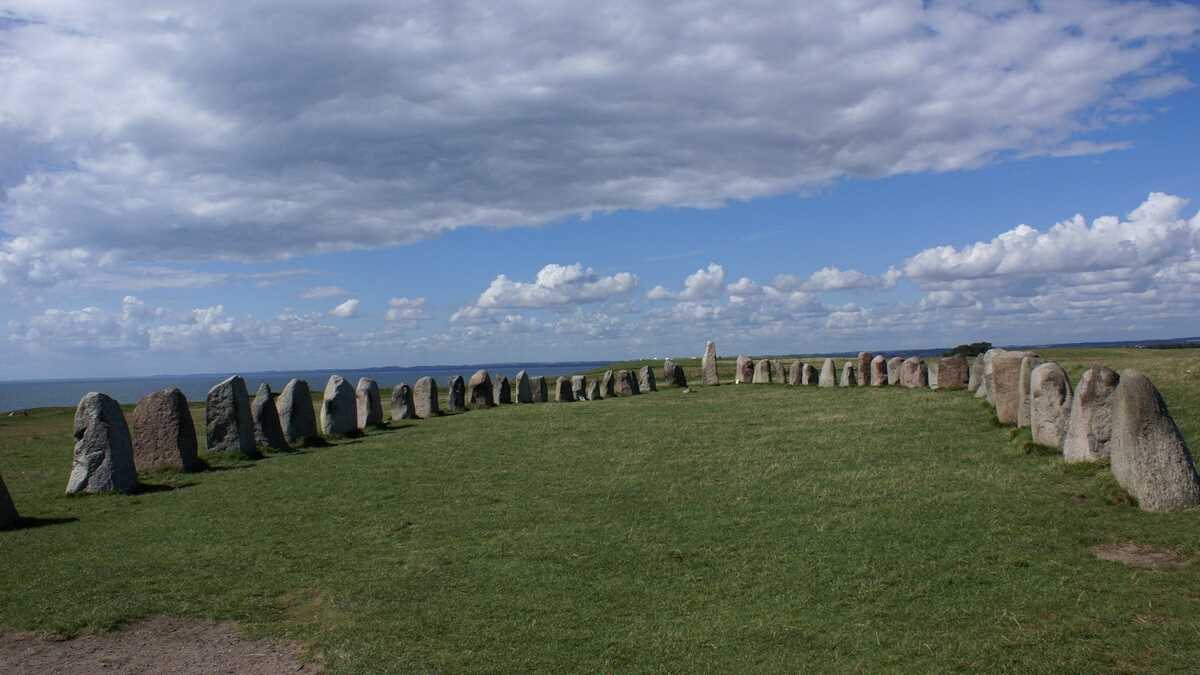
952	372
456	396
164	436
624	383
608	385
1149	456
1089	432
932	369
579	387
537	386
808	374
479	390
778	374
403	407
989	358
103	448
646	381
1005	385
503	391
1050	404
894	367
524	390
296	416
828	378
229	426
673	374
267	429
425	398
1024	383
849	378
913	373
744	372
708	365
862	369
368	404
8	511
593	391
794	376
879	370
339	408
563	393
762	372
975	378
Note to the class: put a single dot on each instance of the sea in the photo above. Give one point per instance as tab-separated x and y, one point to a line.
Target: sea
26	394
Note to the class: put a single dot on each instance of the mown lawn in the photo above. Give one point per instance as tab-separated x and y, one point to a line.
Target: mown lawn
734	528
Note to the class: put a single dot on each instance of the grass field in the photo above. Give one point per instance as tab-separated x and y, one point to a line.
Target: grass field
732	529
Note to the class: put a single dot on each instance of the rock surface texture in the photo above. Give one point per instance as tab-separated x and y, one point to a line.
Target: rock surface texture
1049	404
879	371
1089	432
579	387
762	372
164	436
228	424
524	390
8	511
1024	384
402	403
828	378
1149	457
268	430
708	365
425	398
103	448
1005	385
808	374
368	404
624	383
849	377
480	393
778	372
563	393
537	385
743	371
795	374
646	380
503	390
296	416
456	395
913	374
862	369
894	366
339	408
953	372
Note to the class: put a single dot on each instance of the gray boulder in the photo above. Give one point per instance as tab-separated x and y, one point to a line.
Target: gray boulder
778	375
953	372
894	367
524	389
164	436
673	374
862	369
295	407
794	375
579	387
503	390
975	374
268	430
229	426
1149	456
989	358
8	511
708	365
425	398
563	393
339	408
537	385
762	372
368	404
913	373
593	390
608	385
808	374
1005	384
1025	380
646	381
103	448
456	395
849	377
828	378
744	370
624	383
932	369
403	407
878	366
479	390
1049	404
1089	432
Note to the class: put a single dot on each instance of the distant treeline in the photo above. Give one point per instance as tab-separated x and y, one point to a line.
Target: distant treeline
1171	345
973	349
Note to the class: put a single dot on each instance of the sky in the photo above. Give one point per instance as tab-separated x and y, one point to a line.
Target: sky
236	186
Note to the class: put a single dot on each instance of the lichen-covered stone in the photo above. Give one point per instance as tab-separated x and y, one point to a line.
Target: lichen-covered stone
368	404
562	390
480	393
953	372
879	376
403	407
295	407
103	448
1024	381
894	367
268	430
913	374
1149	456
425	398
795	375
646	380
1005	384
828	377
339	408
624	383
1089	433
862	369
456	395
762	372
849	376
524	389
743	371
778	374
1049	404
593	390
164	436
608	384
708	365
228	423
579	387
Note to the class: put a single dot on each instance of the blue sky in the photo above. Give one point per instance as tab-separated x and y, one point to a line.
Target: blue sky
408	184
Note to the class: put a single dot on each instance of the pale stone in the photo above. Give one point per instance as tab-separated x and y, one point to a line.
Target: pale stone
975	377
808	374
480	393
1005	385
425	398
828	377
743	371
524	389
894	366
562	390
708	365
762	372
913	373
1149	456
164	436
794	374
295	407
403	407
778	375
456	395
339	408
103	448
228	424
608	384
932	369
268	431
879	376
646	381
579	387
593	391
1089	432
1050	404
989	358
862	369
368	404
673	374
624	383
953	372
538	386
1024	381
849	377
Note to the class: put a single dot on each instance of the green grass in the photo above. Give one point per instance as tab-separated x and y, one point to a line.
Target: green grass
733	528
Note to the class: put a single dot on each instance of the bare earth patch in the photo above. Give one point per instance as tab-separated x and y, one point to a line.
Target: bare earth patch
1136	555
156	645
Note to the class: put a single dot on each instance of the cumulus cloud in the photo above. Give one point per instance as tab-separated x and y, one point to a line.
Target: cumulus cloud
555	286
346	310
140	134
406	309
707	282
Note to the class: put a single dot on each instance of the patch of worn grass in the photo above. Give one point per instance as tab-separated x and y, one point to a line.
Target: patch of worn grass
733	528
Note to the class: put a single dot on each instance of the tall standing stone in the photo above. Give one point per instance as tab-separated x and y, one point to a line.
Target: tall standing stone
339	408
646	381
425	398
953	372
932	370
268	430
1149	456
1025	381
1089	432
456	395
593	390
744	371
849	378
403	407
229	426
762	372
989	385
778	372
879	370
537	386
368	404
828	377
808	374
503	391
8	511
479	390
862	369
624	383
608	384
913	374
975	375
579	387
794	374
563	393
295	407
894	367
1049	405
164	436
708	365
103	448
673	374
1005	385
524	389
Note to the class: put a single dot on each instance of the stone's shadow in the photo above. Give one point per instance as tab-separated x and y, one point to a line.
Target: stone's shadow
27	523
228	467
152	488
314	443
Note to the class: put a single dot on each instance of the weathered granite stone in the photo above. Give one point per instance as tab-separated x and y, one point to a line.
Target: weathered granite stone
339	408
8	512
989	358
1149	456
593	390
562	390
1089	432
778	374
794	375
425	398
849	377
267	429
828	378
295	407
537	386
762	372
608	385
633	382
878	367
624	383
164	436
1005	385
503	390
229	426
1050	404
456	395
932	369
480	393
103	448
368	404
808	374
913	373
862	369
1025	380
744	370
673	374
975	377
953	372
708	365
524	389
579	387
403	407
646	381
894	367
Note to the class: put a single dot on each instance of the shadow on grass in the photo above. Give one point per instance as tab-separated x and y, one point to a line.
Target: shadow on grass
27	523
153	488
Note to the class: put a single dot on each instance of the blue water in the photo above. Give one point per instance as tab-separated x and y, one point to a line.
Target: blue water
20	395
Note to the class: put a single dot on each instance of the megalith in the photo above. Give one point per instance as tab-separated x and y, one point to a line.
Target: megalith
295	407
456	395
913	374
563	393
794	376
762	372
608	384
744	370
778	376
403	407
849	377
368	404
808	374
8	511
894	367
879	370
1025	381
932	369
827	378
1049	404
479	390
953	372
975	375
862	369
593	390
1149	456
537	385
989	358
624	383
164	436
339	408
503	390
425	398
646	380
1005	385
268	431
103	448
708	365
1089	432
228	424
579	387
673	374
524	389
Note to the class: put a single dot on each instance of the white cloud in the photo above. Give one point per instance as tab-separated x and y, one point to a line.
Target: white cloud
322	292
346	310
834	279
406	309
706	282
556	286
